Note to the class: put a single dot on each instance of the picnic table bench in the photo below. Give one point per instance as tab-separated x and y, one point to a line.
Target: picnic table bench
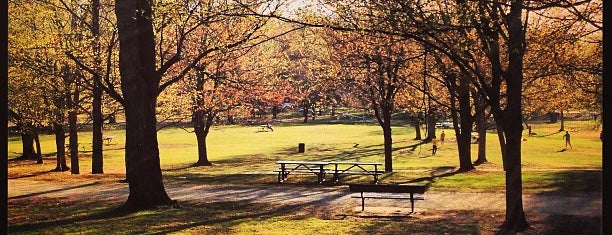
388	191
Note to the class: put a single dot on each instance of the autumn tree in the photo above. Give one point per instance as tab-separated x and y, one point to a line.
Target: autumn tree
495	68
413	106
377	68
502	43
39	51
95	57
500	29
565	69
219	87
143	69
24	111
25	97
306	69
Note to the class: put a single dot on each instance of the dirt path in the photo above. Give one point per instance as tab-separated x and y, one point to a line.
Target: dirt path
337	197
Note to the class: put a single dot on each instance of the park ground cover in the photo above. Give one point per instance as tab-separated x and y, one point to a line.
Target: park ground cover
243	155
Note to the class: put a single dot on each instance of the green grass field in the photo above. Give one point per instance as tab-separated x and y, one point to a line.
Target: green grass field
242	155
237	150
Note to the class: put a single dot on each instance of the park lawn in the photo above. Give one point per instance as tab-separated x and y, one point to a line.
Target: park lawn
72	215
244	155
240	153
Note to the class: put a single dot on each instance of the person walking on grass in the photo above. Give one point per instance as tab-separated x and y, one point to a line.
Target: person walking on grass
567	139
434	146
269	126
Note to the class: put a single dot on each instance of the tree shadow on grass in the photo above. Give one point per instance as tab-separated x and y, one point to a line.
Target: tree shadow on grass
24	160
563	224
232	213
452	222
54	220
225	178
568	183
547	135
87	216
238	160
434	174
55	190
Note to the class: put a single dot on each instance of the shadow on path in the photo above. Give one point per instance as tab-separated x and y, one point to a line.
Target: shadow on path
54	190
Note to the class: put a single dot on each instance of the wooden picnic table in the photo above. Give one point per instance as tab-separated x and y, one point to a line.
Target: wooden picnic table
319	168
356	168
107	138
314	167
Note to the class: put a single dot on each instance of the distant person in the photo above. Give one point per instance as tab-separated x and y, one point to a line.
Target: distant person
269	126
567	139
434	146
601	135
442	135
530	133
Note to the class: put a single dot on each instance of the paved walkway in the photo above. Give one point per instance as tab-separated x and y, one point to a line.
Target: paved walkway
337	197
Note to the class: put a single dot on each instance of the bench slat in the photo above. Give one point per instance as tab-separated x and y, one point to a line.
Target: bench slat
388	188
360	172
302	171
416	197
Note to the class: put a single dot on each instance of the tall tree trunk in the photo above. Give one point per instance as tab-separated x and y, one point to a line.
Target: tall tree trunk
562	122
431	126
60	144
388	143
112	118
417	130
202	125
383	115
97	162
275	111
27	143
202	149
515	216
72	128
464	139
73	142
481	127
511	120
39	159
305	112
139	84
201	121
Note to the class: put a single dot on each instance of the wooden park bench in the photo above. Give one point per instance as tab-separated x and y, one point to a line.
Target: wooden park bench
389	191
